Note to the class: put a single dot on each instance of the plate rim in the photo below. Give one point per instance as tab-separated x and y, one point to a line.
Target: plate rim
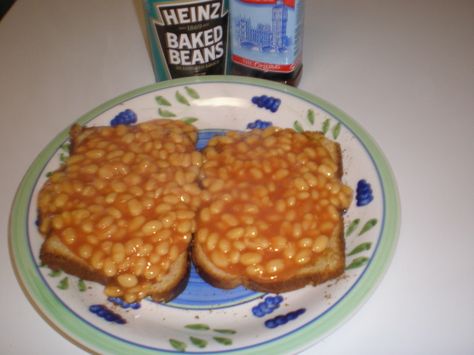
50	308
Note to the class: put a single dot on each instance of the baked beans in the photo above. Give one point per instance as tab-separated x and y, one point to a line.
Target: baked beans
283	201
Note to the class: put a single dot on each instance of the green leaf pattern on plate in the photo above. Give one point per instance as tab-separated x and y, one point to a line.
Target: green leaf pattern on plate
64	150
368	226
64	283
297	126
165	113
336	130
225	331
81	285
181	99
325	126
357	262
365	246
197	326
62	157
223	340
55	273
160	100
360	248
178	345
352	226
189	120
310	116
200	342
191	92
66	147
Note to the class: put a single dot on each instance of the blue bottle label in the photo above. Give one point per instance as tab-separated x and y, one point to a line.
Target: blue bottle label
267	34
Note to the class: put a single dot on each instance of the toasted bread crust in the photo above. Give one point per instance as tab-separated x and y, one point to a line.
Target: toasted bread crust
333	260
58	257
174	282
333	148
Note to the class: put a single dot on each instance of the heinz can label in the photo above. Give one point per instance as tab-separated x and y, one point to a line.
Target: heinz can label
187	37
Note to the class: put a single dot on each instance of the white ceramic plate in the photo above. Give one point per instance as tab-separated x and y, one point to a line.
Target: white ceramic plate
205	319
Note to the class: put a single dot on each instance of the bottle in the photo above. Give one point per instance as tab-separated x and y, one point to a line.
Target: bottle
266	39
187	37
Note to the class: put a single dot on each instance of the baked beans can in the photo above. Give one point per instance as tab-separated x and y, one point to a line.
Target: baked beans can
187	37
267	39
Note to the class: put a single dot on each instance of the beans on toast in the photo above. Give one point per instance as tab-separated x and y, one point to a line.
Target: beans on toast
272	219
120	210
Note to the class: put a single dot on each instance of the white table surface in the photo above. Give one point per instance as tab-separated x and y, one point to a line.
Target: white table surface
403	69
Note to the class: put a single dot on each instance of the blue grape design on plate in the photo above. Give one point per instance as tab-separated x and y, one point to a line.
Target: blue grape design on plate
268	102
268	305
119	302
107	314
283	319
364	194
126	117
259	124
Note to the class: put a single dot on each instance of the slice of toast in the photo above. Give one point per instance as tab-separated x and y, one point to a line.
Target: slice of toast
272	217
120	210
58	256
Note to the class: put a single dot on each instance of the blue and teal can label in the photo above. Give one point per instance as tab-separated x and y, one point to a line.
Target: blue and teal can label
187	37
267	35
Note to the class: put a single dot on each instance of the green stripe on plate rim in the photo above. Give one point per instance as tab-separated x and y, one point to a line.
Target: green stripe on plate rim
85	335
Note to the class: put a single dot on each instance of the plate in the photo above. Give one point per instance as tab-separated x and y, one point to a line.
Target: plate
204	319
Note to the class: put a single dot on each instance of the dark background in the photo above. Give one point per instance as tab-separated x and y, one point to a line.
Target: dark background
4	6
